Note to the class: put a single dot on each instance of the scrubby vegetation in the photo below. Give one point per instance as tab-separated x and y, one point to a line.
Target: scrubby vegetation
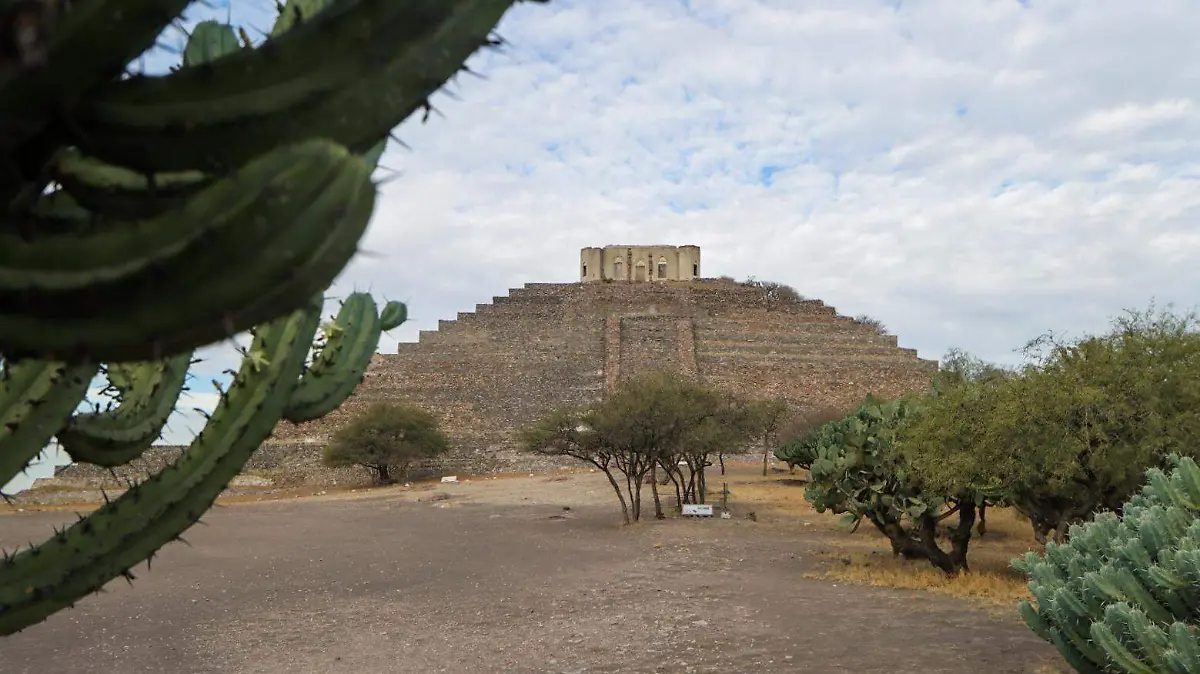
387	439
657	422
1067	440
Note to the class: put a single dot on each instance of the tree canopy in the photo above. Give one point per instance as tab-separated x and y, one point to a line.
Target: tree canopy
1072	431
652	422
385	438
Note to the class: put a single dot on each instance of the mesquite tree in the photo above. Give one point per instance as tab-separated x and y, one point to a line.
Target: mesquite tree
386	438
651	422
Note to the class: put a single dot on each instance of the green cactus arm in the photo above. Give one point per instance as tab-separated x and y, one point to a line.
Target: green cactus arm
1125	661
393	315
1078	661
1184	656
90	42
117	192
36	399
1034	619
308	61
263	252
105	255
59	205
357	114
79	560
118	436
340	364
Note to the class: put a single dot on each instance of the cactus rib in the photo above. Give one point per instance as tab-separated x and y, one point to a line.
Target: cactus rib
356	114
117	192
339	365
82	558
118	436
283	246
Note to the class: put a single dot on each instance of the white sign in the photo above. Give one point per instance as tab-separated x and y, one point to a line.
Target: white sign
697	510
451	479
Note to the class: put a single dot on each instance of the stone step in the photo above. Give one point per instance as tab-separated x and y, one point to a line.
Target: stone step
822	354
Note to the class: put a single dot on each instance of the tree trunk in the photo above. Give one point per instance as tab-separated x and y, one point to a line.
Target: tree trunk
612	480
1060	529
721	460
631	493
658	511
982	528
637	499
766	453
960	537
678	484
383	473
901	539
689	491
935	555
702	485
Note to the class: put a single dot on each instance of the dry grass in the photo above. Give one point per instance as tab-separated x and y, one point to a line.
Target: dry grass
990	579
865	557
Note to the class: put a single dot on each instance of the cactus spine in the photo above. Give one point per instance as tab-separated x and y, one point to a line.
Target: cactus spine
1123	593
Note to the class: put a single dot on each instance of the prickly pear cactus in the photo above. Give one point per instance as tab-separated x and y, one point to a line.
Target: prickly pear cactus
1122	595
853	473
126	242
801	451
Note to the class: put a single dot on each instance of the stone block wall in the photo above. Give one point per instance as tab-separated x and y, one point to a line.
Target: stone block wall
549	345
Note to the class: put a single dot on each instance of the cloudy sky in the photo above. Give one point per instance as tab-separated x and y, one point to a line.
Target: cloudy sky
971	172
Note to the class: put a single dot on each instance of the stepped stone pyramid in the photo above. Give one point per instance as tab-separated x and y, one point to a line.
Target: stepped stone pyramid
547	345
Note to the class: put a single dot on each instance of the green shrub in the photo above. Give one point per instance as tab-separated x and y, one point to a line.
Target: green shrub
387	438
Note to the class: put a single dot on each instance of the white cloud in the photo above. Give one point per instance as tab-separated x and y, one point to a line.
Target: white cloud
972	173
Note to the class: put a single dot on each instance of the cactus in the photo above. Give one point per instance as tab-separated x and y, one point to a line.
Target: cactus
36	399
353	98
1122	595
348	344
801	451
36	582
857	472
155	242
147	396
394	315
854	474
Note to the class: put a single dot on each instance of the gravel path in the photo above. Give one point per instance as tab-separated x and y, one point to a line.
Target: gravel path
495	576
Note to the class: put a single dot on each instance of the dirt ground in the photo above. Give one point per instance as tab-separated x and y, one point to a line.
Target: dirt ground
526	574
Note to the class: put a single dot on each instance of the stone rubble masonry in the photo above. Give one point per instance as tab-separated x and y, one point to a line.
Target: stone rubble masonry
549	345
